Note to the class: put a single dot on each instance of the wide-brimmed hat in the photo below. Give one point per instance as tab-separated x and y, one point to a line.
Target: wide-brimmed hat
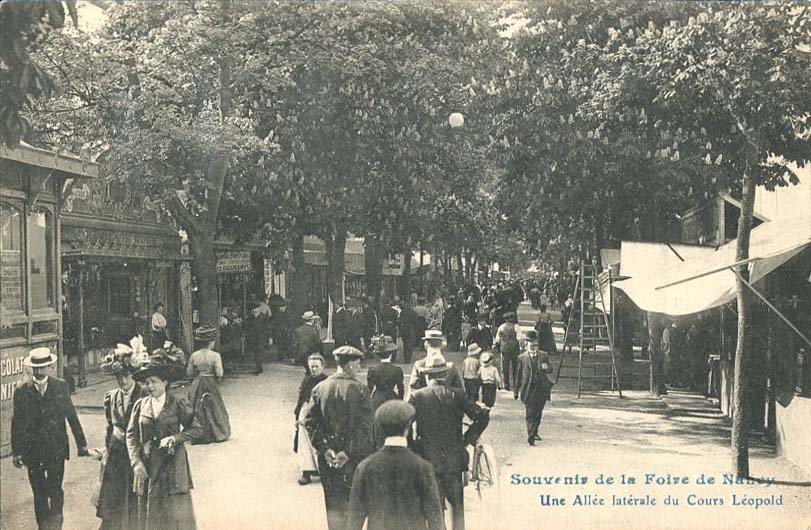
436	364
487	357
162	365
309	315
387	344
348	351
120	362
205	332
473	349
39	358
433	334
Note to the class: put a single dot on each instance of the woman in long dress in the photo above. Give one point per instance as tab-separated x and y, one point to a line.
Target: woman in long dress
159	428
205	366
117	503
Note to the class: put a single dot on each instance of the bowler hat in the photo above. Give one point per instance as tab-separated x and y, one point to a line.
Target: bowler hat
436	364
39	357
348	351
531	336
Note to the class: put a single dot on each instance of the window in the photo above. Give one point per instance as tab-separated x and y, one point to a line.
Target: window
118	288
40	233
12	273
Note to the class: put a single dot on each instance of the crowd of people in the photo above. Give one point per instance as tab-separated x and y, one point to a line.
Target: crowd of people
352	434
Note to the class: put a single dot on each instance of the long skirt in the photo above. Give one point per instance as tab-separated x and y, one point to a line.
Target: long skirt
209	409
117	502
305	455
159	510
546	338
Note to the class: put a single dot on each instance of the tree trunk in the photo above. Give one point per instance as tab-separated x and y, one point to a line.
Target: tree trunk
297	297
204	268
405	283
336	249
373	261
740	439
460	273
655	329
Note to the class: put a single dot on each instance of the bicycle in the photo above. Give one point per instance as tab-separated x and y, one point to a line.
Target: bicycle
483	472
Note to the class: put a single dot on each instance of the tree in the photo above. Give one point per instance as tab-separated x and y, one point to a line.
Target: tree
738	74
24	25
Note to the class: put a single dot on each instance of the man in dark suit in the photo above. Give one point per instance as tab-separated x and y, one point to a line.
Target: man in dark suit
480	334
532	385
355	326
434	340
408	329
341	324
394	488
39	438
307	340
339	423
440	410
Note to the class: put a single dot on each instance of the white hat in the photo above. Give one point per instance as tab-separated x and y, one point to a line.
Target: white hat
309	315
39	357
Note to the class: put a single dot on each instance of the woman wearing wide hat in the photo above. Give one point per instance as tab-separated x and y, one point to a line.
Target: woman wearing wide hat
159	428
117	503
205	365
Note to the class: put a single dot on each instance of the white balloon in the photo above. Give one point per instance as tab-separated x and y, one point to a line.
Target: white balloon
456	120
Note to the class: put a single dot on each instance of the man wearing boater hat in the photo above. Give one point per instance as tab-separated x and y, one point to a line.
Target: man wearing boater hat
440	410
339	423
434	341
39	438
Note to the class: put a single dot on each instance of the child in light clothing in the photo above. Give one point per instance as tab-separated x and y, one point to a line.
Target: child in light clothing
470	371
490	379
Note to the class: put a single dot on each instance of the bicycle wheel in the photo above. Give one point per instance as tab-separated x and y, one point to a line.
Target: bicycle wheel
487	486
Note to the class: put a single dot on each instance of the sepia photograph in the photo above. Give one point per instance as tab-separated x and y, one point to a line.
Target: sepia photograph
405	265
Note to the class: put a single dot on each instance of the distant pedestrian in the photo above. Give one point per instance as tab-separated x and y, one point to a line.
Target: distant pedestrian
307	340
507	343
39	439
490	379
533	387
546	336
341	322
434	341
205	366
279	324
470	371
339	423
306	455
408	330
385	380
395	489
480	334
160	333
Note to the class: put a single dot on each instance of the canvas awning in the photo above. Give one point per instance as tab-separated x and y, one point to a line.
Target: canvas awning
771	245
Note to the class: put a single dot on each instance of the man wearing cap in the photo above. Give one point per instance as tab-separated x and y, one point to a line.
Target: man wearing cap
339	423
434	340
394	488
307	340
440	410
532	385
39	438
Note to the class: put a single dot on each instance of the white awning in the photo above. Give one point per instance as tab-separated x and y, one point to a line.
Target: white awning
772	244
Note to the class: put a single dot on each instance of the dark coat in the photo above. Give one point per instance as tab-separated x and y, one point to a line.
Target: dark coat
389	320
307	341
440	411
524	375
396	490
341	419
116	498
385	382
341	323
453	379
144	434
483	337
408	322
38	431
305	390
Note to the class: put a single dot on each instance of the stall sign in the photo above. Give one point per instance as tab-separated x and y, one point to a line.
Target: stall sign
233	261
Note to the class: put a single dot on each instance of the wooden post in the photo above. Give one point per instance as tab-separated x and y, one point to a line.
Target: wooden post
82	382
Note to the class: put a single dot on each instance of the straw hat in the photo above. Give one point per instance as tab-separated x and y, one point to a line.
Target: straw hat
436	364
39	357
473	350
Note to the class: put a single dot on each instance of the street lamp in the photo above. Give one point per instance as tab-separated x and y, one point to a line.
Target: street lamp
456	120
